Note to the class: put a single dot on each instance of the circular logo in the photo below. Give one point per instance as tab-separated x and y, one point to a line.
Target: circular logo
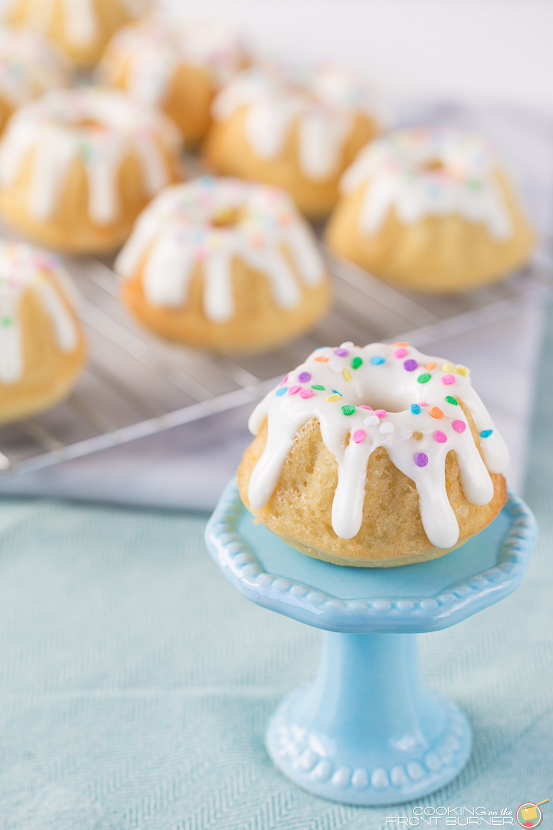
529	814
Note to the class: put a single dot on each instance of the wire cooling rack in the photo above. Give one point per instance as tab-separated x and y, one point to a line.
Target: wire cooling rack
136	385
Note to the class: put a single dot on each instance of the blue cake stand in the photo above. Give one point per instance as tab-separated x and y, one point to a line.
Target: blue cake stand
368	730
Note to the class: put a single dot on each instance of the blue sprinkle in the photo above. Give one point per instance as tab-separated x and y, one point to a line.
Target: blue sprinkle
415	408
377	360
282	391
486	433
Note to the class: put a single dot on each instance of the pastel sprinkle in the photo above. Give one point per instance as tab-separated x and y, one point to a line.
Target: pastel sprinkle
359	435
430	365
386	428
436	412
400	352
448	379
459	426
440	437
341	352
306	393
423	403
294	390
346	375
421	459
486	433
380	413
452	400
364	406
318	387
415	408
335	397
356	363
410	365
371	421
448	367
401	344
348	409
347	345
282	391
462	370
284	381
321	359
304	377
335	367
377	360
424	378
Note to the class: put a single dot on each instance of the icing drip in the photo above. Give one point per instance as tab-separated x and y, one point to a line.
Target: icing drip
321	102
29	66
382	396
50	128
185	225
23	269
156	47
424	172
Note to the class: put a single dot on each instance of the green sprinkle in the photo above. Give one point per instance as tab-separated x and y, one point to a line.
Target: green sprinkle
7	321
424	378
348	409
319	388
451	399
475	184
356	363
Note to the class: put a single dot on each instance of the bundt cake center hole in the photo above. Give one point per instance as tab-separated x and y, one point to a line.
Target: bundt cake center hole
227	217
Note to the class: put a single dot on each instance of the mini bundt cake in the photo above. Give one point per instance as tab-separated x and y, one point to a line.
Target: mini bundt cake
29	66
224	264
80	28
430	209
374	457
41	342
292	127
77	167
179	68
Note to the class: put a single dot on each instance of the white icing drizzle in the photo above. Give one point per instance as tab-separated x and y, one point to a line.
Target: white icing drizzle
321	101
179	229
50	128
155	48
408	392
29	65
23	269
428	172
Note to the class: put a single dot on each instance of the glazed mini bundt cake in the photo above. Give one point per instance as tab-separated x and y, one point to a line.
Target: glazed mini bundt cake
174	66
29	66
374	457
432	210
41	342
80	28
293	127
224	264
77	166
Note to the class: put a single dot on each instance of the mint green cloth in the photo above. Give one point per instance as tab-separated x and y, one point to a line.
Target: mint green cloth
135	682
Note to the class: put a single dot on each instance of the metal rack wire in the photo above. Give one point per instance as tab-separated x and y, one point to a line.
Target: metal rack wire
136	385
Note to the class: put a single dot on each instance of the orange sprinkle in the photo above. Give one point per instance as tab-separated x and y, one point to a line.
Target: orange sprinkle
430	365
436	412
401	344
321	359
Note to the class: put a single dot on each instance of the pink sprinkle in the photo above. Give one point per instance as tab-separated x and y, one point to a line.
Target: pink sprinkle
448	379
459	426
400	352
423	403
380	413
306	393
440	437
294	390
284	381
363	406
359	435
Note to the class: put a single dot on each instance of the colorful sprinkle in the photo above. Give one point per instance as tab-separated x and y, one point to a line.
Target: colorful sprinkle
440	437
377	360
359	435
348	409
448	379
400	352
436	412
462	370
335	367
415	408
341	352
421	459
459	426
346	375
486	433
423	403
284	381
294	390
386	428
371	421
410	365
282	391
7	321
448	367
335	397
424	378
452	400
430	365
306	393
356	363
321	359
401	344
347	345
304	377
364	406
380	413
318	387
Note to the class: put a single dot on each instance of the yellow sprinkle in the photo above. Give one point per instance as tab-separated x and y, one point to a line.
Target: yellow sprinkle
448	367
334	397
346	374
462	370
